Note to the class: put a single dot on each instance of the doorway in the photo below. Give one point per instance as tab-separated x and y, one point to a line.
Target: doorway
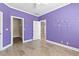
43	33
17	30
39	33
36	34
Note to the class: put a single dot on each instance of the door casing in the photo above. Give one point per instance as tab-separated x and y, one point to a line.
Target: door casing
1	30
12	28
36	30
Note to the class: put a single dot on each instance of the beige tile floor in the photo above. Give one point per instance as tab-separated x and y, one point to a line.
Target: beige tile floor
34	48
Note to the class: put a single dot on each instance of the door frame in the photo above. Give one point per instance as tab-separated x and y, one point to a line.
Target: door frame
1	34
12	28
45	27
37	32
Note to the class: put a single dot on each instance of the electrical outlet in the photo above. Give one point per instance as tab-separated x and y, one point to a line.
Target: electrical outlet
61	41
67	43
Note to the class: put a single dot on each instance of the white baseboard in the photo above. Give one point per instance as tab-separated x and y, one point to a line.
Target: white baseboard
5	47
11	45
62	45
27	40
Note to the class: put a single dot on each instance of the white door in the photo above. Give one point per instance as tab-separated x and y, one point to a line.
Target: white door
1	30
36	30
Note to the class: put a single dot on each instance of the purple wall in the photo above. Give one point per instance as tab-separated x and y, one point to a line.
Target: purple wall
28	19
63	25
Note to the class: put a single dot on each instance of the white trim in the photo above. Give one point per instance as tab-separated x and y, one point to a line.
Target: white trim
36	30
6	47
35	14
23	29
49	11
12	28
1	40
62	45
20	10
28	40
45	27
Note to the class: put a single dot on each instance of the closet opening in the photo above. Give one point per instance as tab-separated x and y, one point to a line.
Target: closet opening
17	30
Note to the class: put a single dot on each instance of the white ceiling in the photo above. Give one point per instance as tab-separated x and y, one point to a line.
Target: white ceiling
36	9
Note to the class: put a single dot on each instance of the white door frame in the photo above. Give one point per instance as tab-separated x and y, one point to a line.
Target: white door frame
12	28
40	29
1	29
45	27
36	30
